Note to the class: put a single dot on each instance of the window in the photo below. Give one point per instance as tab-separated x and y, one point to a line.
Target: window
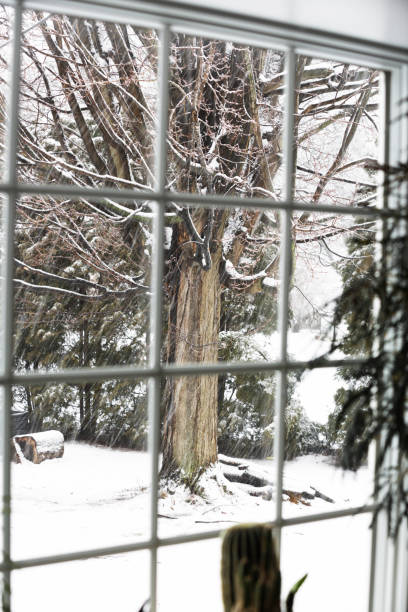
125	157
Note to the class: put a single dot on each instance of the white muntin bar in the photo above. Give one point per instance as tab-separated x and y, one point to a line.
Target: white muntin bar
156	304
82	375
188	15
179	539
285	272
383	587
197	200
399	560
7	292
401	586
377	560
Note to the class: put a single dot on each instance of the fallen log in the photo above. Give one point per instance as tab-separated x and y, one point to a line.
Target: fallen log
265	492
232	461
37	447
247	477
322	496
257	484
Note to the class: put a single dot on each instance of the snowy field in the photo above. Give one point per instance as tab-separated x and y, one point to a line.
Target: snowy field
97	496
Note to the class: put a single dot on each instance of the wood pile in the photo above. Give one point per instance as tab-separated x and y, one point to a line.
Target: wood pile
258	485
37	447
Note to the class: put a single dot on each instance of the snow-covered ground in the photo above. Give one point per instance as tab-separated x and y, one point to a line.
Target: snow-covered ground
97	496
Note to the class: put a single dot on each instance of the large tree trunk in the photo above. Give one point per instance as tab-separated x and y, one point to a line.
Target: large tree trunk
190	425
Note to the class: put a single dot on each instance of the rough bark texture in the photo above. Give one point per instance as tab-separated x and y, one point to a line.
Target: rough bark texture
190	431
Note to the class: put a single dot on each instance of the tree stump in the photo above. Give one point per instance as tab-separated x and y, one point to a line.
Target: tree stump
38	447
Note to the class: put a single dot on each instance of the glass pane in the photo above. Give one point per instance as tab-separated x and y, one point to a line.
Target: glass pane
81	470
336	131
313	479
6	44
225	124
117	582
3	441
88	98
82	282
3	213
336	556
221	285
189	577
332	292
217	445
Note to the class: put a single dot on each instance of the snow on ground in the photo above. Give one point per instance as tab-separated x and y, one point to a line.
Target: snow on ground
97	496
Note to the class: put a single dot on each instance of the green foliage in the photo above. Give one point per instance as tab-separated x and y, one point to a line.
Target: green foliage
49	407
375	398
250	575
249	312
119	411
122	415
303	436
354	317
57	329
247	407
355	308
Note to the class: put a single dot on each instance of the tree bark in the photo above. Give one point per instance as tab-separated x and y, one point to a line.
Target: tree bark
190	425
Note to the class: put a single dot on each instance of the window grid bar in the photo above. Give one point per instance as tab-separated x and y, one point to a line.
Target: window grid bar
397	546
8	300
210	201
150	14
154	393
134	372
166	10
384	570
368	54
281	42
384	132
285	272
401	595
175	540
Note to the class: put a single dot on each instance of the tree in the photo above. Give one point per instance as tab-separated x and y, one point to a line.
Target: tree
373	406
88	119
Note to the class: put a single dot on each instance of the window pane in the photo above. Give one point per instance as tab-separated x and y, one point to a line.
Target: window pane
6	50
82	282
189	577
3	213
332	288
118	582
336	556
88	100
215	429
314	480
221	285
3	441
225	132
336	132
86	491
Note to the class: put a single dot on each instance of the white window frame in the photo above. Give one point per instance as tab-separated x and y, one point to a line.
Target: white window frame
389	560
